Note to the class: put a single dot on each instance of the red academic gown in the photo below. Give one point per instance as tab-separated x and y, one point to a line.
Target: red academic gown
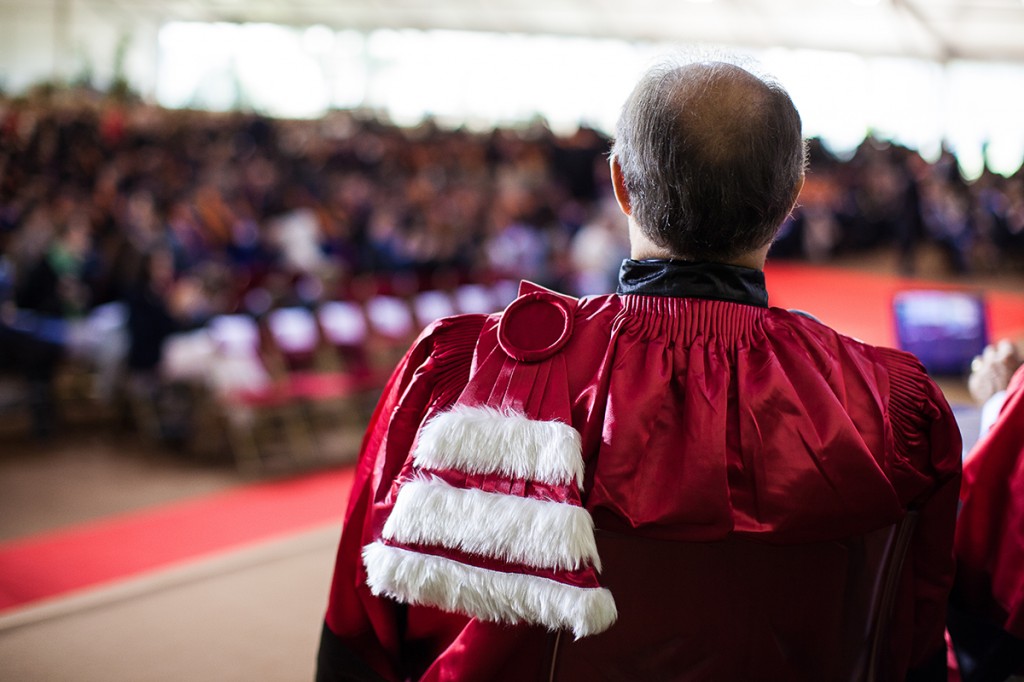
989	546
705	417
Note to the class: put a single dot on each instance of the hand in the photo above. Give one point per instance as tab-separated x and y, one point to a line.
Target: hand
991	371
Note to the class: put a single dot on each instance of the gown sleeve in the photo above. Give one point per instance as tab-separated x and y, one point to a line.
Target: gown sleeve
990	532
363	635
928	450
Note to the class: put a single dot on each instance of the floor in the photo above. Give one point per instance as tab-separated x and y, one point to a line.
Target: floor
244	614
251	614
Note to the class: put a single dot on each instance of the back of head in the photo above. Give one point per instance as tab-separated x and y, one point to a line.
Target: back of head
712	157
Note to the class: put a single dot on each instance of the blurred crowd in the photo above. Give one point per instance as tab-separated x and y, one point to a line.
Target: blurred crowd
180	216
889	196
334	197
177	216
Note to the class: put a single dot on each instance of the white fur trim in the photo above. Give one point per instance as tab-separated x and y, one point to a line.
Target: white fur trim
417	578
539	533
483	440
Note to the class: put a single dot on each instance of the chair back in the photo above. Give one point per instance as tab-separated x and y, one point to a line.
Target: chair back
235	333
296	336
238	365
294	330
390	317
343	323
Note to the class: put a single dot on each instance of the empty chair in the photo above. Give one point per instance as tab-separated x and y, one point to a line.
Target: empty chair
390	317
344	327
307	379
392	328
343	323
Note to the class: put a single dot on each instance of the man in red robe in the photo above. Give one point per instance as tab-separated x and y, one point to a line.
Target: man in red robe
674	482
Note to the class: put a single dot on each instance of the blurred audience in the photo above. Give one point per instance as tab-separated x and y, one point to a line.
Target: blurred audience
91	186
347	195
889	196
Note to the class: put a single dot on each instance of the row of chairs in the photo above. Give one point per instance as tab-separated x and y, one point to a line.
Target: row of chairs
298	371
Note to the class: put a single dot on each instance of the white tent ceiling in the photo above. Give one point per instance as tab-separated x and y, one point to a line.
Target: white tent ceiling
932	29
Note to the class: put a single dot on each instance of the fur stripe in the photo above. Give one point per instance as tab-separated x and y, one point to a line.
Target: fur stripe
538	533
417	578
483	440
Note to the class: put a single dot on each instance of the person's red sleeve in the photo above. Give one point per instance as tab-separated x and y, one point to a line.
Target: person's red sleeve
368	630
990	531
928	474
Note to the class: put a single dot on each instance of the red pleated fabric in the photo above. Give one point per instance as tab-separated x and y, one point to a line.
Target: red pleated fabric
700	420
990	530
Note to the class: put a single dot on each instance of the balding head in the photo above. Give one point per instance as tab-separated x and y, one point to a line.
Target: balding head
712	158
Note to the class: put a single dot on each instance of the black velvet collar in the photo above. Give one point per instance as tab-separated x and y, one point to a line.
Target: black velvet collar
683	279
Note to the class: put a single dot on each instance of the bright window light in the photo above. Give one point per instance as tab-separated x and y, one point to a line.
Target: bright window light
831	91
273	69
484	79
195	66
983	112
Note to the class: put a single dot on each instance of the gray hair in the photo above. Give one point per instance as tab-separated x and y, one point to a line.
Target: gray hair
712	157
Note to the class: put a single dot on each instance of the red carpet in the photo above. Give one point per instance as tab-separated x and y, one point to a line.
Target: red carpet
120	547
860	304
